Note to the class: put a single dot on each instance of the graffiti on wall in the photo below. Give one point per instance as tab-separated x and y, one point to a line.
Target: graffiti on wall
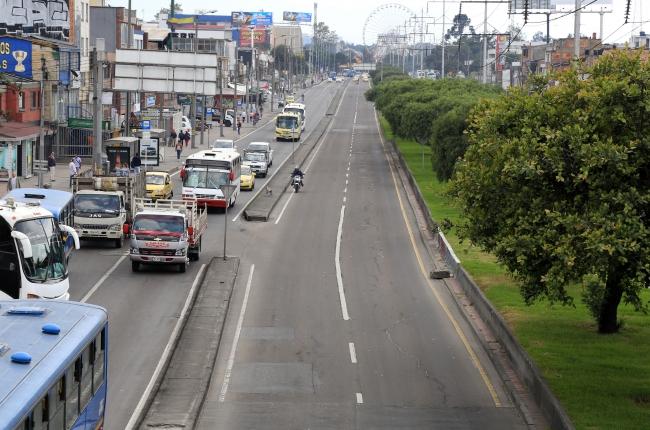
45	18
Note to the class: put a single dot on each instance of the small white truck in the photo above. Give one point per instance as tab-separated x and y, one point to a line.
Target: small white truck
103	205
166	232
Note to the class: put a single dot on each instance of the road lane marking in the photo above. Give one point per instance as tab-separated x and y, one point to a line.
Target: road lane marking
103	278
231	359
165	354
337	260
353	354
359	399
285	206
477	363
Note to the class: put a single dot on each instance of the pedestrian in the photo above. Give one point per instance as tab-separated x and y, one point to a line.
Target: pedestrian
261	111
238	127
136	162
179	149
51	165
77	163
187	138
250	116
14	182
72	169
173	136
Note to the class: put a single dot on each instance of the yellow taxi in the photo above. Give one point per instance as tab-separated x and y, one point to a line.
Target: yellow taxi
329	80
247	179
365	78
289	99
159	185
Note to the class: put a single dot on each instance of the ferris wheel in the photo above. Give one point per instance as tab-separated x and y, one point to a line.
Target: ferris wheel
387	28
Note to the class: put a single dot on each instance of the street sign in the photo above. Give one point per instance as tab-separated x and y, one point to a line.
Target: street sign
146	124
151	101
85	123
40	166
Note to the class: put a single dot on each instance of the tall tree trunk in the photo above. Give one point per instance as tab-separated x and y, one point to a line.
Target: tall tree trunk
607	322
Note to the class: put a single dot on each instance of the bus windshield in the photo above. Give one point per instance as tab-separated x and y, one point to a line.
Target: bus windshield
97	203
287	122
48	258
203	177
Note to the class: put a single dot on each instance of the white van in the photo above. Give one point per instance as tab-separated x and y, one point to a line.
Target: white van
296	108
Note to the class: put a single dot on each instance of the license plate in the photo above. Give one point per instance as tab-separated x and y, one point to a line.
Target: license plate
94	232
155	258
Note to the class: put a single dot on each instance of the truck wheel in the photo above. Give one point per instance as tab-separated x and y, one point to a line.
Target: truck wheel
182	267
119	242
135	266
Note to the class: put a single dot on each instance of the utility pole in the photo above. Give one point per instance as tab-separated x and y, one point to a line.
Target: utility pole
236	74
576	31
275	62
192	115
222	112
98	55
41	146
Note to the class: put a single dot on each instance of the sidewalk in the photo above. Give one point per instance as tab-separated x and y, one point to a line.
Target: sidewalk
170	163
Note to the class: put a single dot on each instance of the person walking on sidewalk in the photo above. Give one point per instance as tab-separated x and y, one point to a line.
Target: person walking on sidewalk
238	127
187	138
179	149
72	168
51	165
136	162
172	138
77	163
243	116
14	182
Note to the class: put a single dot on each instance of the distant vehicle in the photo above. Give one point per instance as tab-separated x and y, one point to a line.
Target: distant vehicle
289	99
159	185
296	108
205	172
59	203
262	148
288	127
330	80
186	127
257	163
55	374
224	144
247	181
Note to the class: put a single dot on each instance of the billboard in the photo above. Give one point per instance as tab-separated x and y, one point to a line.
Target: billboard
252	18
118	156
560	5
149	150
16	56
245	37
296	16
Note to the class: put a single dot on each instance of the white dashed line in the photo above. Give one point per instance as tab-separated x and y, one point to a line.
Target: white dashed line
337	261
359	399
353	354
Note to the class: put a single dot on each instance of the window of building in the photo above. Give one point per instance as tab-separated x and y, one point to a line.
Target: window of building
87	12
125	33
21	100
34	103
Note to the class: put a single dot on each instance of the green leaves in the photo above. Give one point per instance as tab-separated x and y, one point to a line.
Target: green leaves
556	183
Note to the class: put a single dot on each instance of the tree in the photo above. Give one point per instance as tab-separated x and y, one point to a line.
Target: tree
178	8
539	37
515	33
461	24
556	185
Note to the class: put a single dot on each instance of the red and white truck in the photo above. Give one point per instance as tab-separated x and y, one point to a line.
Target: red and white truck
166	232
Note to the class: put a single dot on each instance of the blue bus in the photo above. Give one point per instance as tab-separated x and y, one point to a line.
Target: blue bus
53	365
60	203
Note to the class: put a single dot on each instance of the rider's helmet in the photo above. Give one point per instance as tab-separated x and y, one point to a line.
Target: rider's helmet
297	168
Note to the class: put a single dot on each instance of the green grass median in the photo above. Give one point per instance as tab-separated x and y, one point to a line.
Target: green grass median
603	381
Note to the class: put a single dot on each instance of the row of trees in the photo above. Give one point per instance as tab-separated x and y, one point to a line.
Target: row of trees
433	112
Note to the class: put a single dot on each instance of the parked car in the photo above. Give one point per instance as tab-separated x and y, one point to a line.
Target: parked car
186	127
247	181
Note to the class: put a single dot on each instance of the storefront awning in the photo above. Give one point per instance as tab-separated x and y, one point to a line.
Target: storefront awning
17	131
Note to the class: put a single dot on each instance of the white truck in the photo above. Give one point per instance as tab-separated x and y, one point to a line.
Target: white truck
103	206
166	232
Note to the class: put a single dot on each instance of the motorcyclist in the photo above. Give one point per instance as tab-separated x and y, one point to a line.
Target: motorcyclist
303	98
298	172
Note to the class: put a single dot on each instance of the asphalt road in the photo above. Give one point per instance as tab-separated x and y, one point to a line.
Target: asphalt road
333	322
144	307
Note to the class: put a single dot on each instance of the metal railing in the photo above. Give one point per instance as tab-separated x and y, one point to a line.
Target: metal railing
73	141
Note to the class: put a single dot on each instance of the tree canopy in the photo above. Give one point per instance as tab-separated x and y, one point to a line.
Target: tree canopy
178	8
556	184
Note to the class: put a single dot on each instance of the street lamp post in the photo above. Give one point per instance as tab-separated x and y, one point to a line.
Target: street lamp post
222	114
193	106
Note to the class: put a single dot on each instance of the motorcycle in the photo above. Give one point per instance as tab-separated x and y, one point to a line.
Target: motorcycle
280	103
296	182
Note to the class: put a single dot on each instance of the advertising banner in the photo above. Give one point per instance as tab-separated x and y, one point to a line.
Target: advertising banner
296	16
149	149
151	101
245	37
118	156
184	99
16	57
252	18
502	45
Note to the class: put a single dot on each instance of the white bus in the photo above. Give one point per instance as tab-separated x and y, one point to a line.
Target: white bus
205	172
299	109
32	257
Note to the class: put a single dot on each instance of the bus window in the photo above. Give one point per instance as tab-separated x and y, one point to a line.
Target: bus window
56	405
39	415
98	378
72	394
86	378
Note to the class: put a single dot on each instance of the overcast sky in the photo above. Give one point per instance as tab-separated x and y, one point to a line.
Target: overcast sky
347	17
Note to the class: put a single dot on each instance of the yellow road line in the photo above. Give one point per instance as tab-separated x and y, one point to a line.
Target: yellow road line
478	365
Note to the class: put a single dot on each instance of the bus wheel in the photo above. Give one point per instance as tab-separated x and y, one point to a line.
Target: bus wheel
119	242
182	267
135	266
